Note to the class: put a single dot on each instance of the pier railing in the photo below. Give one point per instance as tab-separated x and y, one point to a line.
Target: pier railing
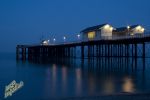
80	40
102	38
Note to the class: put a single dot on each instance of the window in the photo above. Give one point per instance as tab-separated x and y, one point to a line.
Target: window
91	35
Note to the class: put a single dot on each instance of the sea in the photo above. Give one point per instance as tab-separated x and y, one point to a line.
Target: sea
75	77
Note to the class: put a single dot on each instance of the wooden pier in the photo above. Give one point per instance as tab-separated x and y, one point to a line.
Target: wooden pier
114	47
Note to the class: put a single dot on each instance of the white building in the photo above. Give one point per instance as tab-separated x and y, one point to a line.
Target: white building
99	31
129	30
136	29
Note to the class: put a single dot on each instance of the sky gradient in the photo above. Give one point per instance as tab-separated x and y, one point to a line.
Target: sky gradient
25	21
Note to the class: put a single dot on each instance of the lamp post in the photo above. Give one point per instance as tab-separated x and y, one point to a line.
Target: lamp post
78	36
64	38
128	27
54	40
48	42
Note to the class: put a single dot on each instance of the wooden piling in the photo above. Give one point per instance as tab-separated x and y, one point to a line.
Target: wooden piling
143	50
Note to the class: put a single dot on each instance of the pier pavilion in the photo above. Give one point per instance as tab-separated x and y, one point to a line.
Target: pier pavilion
103	30
129	30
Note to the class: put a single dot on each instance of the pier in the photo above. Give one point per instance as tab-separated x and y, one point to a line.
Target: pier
125	46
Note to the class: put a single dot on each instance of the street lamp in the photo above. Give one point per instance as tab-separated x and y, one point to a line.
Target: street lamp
78	36
54	39
48	42
128	27
64	39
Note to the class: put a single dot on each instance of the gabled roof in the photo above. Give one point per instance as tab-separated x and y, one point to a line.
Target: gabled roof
93	28
125	28
133	26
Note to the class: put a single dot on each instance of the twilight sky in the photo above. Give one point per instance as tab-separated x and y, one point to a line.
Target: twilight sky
25	21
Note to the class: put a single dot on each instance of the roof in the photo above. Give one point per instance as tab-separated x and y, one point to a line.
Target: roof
133	26
125	28
93	28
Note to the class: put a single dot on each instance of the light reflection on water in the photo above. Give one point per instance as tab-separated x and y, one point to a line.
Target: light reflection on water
76	77
78	81
94	77
128	85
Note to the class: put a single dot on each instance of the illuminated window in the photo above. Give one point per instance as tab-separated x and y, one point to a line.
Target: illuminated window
91	35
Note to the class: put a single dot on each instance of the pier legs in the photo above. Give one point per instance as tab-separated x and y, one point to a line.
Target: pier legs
82	52
143	50
17	53
135	48
93	50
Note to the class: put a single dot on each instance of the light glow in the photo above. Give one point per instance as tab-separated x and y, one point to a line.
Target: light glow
142	29
138	27
132	34
45	42
111	28
64	38
78	35
91	35
128	27
107	26
128	85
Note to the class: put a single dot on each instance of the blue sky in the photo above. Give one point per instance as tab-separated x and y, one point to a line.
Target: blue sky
25	21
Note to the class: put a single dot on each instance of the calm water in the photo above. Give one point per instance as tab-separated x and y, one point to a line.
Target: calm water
74	78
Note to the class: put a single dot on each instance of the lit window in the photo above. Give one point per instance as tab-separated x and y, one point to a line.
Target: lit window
91	35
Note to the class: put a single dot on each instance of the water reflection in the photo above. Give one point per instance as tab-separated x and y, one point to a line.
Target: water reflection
78	81
76	77
91	84
64	79
128	85
109	86
54	78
